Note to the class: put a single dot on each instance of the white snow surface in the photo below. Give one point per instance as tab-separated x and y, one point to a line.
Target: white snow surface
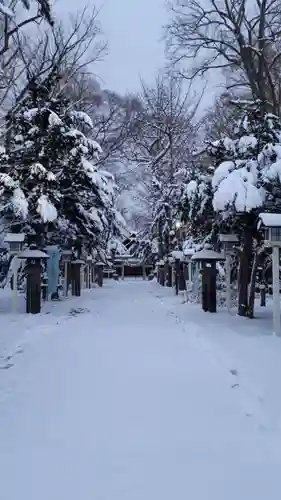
54	120
238	187
137	396
191	189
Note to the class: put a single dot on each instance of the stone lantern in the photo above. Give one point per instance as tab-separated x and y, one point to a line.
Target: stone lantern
33	258
15	242
208	258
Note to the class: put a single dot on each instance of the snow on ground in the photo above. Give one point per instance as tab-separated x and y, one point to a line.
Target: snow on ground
136	396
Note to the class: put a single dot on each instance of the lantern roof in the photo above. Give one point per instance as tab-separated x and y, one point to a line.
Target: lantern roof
207	254
270	220
14	238
29	253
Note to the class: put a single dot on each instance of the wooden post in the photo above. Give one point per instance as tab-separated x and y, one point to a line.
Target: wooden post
143	273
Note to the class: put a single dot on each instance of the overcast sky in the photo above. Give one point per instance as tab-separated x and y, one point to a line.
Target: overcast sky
133	29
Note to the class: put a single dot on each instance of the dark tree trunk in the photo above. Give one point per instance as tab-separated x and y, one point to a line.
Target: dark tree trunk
244	272
252	294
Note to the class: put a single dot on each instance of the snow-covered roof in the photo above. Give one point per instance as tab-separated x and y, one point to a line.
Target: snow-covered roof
207	254
33	254
271	220
14	238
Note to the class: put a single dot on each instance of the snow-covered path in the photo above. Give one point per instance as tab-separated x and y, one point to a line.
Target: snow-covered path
124	402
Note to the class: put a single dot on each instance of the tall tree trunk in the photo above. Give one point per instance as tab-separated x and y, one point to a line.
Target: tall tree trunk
251	305
244	272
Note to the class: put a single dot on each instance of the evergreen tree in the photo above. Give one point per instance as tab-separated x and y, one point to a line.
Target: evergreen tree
195	206
49	178
246	181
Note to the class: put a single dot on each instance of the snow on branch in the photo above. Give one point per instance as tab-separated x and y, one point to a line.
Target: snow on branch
6	11
46	209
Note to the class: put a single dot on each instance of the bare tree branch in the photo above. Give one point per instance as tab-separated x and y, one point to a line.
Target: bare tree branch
231	36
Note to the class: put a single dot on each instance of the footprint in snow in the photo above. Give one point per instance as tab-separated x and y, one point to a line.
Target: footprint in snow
7	366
